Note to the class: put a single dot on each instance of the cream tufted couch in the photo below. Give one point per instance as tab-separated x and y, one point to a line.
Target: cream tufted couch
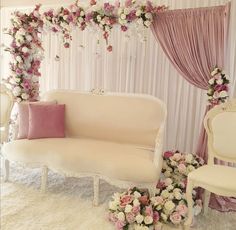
115	137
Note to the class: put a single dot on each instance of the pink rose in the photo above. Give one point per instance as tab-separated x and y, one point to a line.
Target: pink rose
161	185
159	199
66	45
119	225
220	88
182	209
109	48
156	217
130	217
217	76
144	200
148	211
136	209
124	28
127	199
168	154
182	168
128	3
93	2
175	218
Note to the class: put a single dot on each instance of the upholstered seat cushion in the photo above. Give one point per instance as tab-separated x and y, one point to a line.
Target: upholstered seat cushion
115	160
218	176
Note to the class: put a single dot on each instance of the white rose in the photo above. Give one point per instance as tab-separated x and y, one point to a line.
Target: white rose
168	181
148	15
18	99
65	17
126	11
223	94
169	205
29	38
190	168
116	197
139	218
24	96
136	202
178	195
211	81
197	209
17	91
17	79
122	22
170	187
123	16
177	190
215	71
103	22
148	220
113	205
19	59
188	158
137	194
138	13
128	208
219	81
167	173
164	216
80	19
121	216
215	95
21	31
147	23
81	13
25	49
99	18
35	79
120	11
165	193
140	21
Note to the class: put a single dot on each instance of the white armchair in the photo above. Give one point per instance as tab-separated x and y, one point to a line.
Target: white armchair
220	125
5	109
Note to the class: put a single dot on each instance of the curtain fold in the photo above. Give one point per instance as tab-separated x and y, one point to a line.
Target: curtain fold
194	40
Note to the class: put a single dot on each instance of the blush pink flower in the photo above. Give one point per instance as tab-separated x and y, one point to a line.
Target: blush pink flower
127	199
109	48
182	168
130	217
124	28
149	211
119	225
136	209
182	209
175	218
112	217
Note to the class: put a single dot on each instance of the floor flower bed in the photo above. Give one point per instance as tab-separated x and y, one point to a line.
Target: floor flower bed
135	209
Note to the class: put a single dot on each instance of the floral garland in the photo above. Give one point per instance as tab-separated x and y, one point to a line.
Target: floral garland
135	209
218	87
26	47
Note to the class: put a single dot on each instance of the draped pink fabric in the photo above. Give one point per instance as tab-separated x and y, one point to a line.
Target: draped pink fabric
194	40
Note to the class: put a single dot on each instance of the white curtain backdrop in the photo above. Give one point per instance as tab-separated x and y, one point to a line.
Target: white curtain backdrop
134	67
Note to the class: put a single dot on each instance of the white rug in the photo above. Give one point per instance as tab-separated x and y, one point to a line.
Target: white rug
68	205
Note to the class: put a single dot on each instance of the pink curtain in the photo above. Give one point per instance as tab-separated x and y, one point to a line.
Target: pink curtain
194	40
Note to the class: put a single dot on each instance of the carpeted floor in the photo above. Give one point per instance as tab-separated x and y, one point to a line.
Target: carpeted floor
68	205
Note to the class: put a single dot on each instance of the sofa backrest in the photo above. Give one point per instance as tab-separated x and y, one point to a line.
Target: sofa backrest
128	118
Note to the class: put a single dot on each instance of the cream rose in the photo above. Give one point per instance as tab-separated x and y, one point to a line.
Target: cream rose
139	218
148	220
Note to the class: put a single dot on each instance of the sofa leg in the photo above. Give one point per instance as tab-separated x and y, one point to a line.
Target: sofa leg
6	166
44	178
95	190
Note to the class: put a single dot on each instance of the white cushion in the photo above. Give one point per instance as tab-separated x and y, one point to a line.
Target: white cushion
218	176
117	161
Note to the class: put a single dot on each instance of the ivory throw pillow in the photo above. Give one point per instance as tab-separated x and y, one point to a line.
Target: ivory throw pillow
23	117
46	121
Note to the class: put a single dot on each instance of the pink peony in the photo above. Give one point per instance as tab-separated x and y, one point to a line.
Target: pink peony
130	217
156	217
144	200
119	225
112	217
182	209
168	154
175	218
127	199
136	209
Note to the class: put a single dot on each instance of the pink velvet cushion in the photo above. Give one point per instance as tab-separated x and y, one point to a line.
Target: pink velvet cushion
23	117
46	121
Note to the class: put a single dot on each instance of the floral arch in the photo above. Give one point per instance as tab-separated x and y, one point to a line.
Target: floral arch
26	46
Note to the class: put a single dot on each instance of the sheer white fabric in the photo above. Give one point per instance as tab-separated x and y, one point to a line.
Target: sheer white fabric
132	67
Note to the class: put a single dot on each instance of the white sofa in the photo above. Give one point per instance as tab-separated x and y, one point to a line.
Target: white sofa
110	136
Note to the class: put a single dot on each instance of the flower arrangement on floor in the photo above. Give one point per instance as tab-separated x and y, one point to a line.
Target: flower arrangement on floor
135	209
218	87
26	46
